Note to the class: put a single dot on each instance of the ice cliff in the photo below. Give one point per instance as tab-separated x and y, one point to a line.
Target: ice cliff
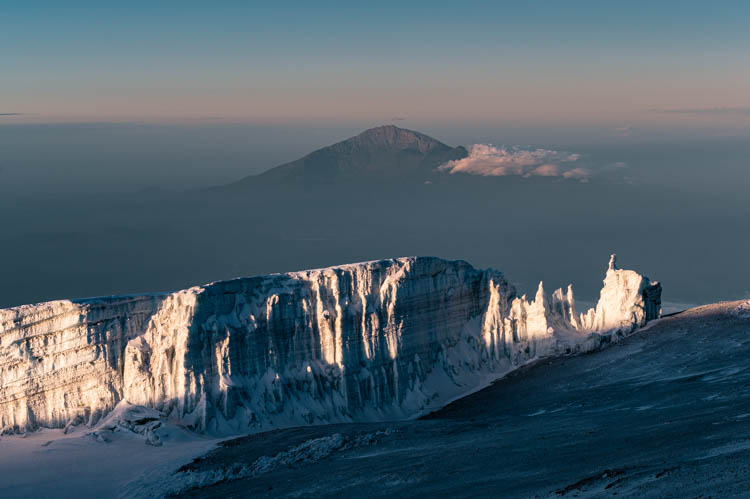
385	339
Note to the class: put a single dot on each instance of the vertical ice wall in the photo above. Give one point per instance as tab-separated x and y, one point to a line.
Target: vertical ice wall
63	359
627	301
376	340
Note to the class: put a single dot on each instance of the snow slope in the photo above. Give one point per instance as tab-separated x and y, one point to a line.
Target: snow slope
663	414
51	463
378	340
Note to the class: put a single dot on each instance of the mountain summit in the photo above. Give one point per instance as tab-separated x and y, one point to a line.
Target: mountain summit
389	137
383	152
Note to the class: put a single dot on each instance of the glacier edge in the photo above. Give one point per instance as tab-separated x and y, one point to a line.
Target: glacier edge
388	339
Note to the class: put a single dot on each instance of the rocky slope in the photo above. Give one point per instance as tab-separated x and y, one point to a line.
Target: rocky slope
370	341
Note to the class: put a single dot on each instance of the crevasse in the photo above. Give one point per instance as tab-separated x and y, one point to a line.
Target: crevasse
369	341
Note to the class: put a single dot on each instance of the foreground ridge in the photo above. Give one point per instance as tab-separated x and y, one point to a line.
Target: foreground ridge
377	340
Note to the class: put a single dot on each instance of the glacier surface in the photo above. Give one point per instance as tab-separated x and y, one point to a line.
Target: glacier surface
388	339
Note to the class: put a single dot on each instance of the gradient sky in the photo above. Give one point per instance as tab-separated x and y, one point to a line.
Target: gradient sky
585	62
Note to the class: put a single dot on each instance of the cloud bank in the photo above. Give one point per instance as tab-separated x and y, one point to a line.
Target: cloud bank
706	111
491	161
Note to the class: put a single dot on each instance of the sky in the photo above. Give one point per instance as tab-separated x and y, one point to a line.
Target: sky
537	63
615	126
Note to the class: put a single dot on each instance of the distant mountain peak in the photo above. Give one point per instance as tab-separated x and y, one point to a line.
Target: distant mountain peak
393	137
385	151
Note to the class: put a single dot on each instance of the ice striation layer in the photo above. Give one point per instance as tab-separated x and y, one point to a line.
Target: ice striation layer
369	341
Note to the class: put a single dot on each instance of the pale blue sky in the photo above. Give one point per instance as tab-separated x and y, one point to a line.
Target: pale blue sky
537	62
527	62
119	104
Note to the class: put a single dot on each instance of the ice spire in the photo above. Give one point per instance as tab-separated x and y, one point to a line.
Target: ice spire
540	296
612	262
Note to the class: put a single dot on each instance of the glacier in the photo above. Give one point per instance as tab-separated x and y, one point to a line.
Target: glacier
388	339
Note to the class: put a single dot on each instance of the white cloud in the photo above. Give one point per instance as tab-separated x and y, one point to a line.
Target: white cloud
491	161
578	174
548	170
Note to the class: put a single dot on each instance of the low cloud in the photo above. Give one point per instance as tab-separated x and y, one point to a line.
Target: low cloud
578	174
206	118
624	130
11	114
491	161
707	111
